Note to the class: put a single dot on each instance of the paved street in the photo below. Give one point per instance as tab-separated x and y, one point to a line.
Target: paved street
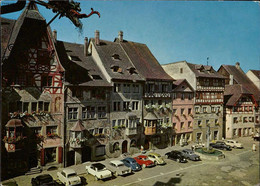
240	167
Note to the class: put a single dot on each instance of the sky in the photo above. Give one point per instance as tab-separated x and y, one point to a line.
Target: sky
223	32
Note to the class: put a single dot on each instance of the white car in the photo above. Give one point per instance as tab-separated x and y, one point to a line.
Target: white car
234	144
69	177
118	168
99	171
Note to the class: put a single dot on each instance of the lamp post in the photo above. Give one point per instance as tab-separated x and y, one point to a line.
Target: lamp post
208	135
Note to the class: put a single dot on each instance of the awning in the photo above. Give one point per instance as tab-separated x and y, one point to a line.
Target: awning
14	123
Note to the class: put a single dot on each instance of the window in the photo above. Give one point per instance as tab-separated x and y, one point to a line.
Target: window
251	119
244	119
113	123
182	125
174	125
181	70
167	120
119	122
174	111
34	106
116	106
46	106
235	120
189	111
160	121
207	122
189	124
182	111
25	106
197	109
102	112
205	109
216	121
40	106
182	96
100	150
89	112
135	105
250	108
246	109
150	87
73	113
126	88
37	130
199	122
164	88
136	88
126	105
174	96
190	96
213	109
51	130
117	87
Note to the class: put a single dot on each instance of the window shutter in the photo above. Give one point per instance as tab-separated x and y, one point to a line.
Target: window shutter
42	157
60	154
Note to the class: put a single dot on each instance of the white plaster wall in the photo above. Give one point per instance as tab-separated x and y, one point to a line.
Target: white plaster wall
253	78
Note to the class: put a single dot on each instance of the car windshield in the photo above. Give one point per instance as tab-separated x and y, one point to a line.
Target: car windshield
99	166
72	175
133	162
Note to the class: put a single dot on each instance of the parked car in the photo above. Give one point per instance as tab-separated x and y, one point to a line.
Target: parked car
130	162
144	161
69	177
220	145
44	179
99	171
176	156
234	144
118	168
189	154
156	158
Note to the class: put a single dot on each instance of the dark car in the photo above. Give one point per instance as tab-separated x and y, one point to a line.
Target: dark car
176	156
189	154
220	145
43	180
130	162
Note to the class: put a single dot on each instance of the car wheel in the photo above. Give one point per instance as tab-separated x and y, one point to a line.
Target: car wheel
96	178
143	166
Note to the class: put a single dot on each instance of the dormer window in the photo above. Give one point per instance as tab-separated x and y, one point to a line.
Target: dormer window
116	68
131	70
74	58
116	57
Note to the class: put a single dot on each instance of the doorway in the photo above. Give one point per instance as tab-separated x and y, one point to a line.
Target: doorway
86	154
124	147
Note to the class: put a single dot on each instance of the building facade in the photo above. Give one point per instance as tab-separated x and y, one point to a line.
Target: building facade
32	93
209	94
183	111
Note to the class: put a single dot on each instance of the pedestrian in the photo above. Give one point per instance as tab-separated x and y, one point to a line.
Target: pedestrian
254	147
192	147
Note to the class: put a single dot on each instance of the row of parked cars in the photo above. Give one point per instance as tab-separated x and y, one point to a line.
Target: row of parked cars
128	165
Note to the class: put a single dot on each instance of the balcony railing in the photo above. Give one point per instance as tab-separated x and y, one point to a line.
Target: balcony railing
150	130
157	95
130	131
213	88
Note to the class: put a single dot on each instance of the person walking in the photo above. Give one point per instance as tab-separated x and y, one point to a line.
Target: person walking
254	147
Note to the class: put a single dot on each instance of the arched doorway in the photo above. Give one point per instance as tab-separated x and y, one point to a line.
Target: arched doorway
124	146
86	154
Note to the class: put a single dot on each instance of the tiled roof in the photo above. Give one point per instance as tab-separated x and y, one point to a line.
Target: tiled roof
234	92
178	82
78	127
79	69
150	116
256	73
144	61
204	71
241	78
107	51
14	123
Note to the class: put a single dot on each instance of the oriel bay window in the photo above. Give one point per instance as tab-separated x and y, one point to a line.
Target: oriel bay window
73	113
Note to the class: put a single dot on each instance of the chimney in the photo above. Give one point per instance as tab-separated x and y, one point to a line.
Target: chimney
231	79
97	41
54	33
237	65
120	36
86	46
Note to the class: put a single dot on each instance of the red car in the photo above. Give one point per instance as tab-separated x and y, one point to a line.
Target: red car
144	161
